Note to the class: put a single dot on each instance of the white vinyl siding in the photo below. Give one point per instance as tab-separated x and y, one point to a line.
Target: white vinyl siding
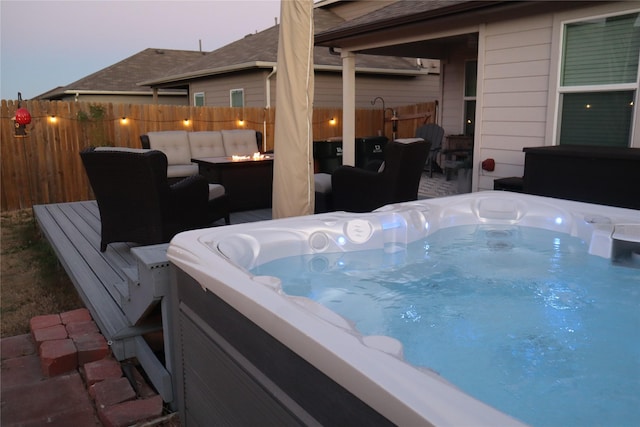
515	90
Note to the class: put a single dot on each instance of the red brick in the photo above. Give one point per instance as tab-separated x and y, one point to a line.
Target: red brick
100	370
20	345
79	315
111	391
132	412
144	389
55	332
76	329
58	357
91	348
45	321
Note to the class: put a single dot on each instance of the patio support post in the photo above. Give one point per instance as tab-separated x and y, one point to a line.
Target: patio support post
348	108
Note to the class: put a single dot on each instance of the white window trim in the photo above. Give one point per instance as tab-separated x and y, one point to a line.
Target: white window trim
553	114
195	94
231	91
466	98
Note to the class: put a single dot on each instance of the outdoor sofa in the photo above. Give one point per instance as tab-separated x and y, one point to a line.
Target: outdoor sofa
181	146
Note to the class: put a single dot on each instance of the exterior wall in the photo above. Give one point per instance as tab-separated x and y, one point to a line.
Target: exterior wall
217	89
517	84
515	88
452	114
396	91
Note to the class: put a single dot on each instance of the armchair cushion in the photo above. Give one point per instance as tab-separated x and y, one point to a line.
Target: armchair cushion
181	171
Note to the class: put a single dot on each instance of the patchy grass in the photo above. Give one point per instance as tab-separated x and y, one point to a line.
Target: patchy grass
32	282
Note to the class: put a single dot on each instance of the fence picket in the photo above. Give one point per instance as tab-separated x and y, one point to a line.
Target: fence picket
45	166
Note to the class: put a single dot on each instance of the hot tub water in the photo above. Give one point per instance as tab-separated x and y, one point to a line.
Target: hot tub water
521	318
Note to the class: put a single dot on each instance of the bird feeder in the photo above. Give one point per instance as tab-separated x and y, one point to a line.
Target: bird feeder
22	118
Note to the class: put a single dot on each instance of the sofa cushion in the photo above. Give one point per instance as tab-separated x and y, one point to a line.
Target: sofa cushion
180	171
240	142
174	144
206	144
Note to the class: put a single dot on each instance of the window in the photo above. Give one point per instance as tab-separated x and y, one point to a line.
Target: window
237	97
198	99
599	80
470	87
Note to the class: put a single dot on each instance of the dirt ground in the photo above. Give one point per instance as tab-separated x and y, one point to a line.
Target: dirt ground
32	282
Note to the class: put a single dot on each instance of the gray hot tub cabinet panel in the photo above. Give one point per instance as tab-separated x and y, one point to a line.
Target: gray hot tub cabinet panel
229	370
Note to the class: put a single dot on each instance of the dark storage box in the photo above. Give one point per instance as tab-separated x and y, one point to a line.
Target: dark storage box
602	175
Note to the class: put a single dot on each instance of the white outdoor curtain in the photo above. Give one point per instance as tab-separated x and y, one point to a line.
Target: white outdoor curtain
293	189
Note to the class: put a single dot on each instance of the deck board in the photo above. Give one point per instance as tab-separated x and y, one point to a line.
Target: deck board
98	277
101	278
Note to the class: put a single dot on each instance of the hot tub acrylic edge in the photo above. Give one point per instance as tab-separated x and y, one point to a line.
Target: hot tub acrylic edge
339	352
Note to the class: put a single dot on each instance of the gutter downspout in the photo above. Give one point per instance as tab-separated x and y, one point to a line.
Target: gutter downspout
267	107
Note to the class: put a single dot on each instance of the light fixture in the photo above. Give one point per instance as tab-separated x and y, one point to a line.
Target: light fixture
332	121
123	121
241	122
587	106
53	119
186	122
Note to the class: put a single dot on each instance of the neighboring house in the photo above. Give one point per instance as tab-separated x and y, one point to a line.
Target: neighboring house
515	74
118	82
244	73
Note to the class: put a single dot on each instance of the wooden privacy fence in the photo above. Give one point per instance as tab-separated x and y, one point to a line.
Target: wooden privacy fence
44	167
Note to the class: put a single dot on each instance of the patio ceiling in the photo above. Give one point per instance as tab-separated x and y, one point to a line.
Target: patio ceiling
400	30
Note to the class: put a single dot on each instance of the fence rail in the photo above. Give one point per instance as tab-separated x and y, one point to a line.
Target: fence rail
44	167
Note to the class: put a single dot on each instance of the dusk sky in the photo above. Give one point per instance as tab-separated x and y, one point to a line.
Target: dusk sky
49	43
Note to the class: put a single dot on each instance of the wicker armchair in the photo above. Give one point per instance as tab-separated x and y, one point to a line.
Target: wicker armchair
362	190
136	202
433	133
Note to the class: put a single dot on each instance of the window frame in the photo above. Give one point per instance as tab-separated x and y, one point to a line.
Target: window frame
231	98
560	90
197	95
468	99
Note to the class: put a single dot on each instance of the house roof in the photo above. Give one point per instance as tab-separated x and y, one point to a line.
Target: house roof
121	77
400	12
404	16
260	50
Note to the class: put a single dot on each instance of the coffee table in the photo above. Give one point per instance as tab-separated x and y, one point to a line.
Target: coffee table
248	182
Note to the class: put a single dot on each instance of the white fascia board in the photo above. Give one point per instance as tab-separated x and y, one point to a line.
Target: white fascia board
209	72
176	92
270	65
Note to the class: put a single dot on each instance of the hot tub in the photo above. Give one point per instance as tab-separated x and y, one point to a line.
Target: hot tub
244	352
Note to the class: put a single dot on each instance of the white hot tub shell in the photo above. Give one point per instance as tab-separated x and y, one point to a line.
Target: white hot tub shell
244	352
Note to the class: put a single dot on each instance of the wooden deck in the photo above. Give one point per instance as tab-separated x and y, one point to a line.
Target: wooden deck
124	287
121	287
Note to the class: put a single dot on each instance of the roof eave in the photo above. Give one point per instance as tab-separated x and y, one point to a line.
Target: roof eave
207	72
372	70
270	65
327	38
177	92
